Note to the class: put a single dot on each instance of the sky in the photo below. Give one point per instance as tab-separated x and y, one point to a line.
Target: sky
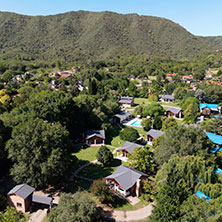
200	17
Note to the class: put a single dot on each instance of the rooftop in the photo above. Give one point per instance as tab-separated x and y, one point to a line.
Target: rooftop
155	133
123	115
207	105
91	133
216	139
166	97
22	190
126	177
129	146
174	110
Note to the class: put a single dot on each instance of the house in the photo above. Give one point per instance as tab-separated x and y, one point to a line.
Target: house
95	137
217	141
126	181
22	197
170	75
121	117
209	109
166	98
126	101
128	147
174	112
152	135
187	78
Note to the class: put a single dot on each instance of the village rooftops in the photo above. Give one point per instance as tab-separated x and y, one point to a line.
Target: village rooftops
125	99
126	177
210	106
170	97
155	133
216	139
22	190
129	147
174	110
123	115
92	133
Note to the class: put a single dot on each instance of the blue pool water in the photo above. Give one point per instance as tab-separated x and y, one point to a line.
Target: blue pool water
136	123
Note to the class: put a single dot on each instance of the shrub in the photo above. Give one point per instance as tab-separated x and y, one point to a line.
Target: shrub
104	156
101	190
129	134
146	124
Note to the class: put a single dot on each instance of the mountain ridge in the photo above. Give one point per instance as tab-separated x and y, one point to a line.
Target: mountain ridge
84	34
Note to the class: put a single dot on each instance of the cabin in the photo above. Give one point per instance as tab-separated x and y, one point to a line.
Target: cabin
152	135
126	181
209	109
187	78
95	137
174	112
217	141
126	101
128	147
121	117
166	98
23	199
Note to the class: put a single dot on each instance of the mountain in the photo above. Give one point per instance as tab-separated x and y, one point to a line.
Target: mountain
216	41
83	34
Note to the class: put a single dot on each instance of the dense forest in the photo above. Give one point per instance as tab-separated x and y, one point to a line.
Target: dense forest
80	35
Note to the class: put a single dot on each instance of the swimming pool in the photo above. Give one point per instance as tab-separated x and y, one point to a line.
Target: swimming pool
136	123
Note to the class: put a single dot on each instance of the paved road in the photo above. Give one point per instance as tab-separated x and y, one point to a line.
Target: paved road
125	216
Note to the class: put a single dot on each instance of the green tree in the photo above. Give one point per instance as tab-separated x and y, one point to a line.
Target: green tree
40	152
80	207
153	98
132	90
200	95
129	134
183	141
180	93
153	110
168	123
104	156
176	181
101	190
146	124
157	123
51	106
142	160
12	215
191	113
215	126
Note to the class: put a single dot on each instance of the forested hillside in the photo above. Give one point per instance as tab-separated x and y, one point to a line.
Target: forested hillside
76	35
215	40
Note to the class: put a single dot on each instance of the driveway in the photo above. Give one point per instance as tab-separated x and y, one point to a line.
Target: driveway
38	216
122	215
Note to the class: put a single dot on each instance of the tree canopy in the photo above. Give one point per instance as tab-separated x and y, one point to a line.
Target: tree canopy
40	152
75	207
181	140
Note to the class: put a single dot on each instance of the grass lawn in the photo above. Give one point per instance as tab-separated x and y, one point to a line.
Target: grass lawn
98	171
117	142
88	153
139	101
170	104
140	130
112	137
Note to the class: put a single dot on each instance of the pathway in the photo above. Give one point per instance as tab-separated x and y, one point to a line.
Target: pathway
122	215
